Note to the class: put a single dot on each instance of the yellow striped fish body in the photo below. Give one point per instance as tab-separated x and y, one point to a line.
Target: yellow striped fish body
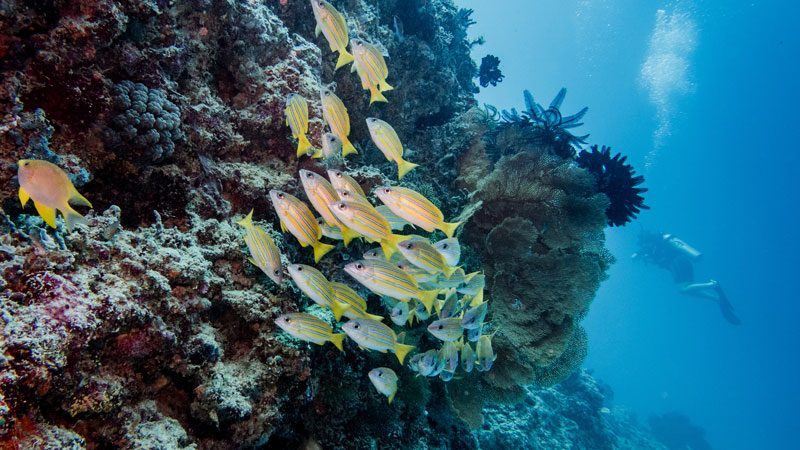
343	181
374	335
422	254
297	119
335	114
333	26
309	328
448	329
350	196
377	253
321	195
297	218
421	313
449	307
329	231
371	68
387	279
449	248
364	220
314	284
474	334
263	251
386	139
484	354
450	354
385	381
467	357
331	145
419	275
358	306
474	285
415	208
395	222
455	280
401	314
474	317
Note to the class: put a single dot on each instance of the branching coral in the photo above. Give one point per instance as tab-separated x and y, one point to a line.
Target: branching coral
615	179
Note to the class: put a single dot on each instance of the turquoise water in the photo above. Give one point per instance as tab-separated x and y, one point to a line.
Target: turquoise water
711	128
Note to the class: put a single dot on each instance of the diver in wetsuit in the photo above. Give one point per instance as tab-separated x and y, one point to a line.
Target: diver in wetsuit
671	253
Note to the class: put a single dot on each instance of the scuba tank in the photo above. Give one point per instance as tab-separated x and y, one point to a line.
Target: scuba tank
683	247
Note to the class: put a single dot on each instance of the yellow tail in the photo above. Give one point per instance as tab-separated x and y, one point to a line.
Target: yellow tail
449	228
320	250
449	271
403	167
427	298
477	300
385	86
388	248
348	235
247	222
338	339
302	145
401	350
374	317
376	96
347	147
469	276
344	58
338	308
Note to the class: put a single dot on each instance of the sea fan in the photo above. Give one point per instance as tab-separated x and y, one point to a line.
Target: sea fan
615	179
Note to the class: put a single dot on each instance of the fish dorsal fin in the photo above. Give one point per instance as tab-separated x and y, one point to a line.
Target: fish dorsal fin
78	199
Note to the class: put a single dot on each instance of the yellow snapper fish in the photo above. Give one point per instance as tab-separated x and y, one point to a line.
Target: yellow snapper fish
385	381
448	329
415	208
455	280
474	285
402	314
333	26
474	334
387	279
484	354
422	254
448	307
377	253
263	251
429	362
374	335
314	284
310	329
344	182
296	113
420	313
474	317
371	68
364	220
467	357
335	114
449	248
297	218
321	195
419	275
395	222
386	139
450	354
50	189
358	306
329	231
331	145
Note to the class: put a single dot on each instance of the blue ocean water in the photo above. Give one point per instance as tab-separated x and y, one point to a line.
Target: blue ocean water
702	96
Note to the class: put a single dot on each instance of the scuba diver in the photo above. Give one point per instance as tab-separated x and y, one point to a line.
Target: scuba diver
669	252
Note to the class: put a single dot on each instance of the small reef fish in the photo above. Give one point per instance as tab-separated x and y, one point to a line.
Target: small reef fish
439	363
450	356
467	357
455	280
401	314
395	222
421	313
329	231
297	218
263	251
419	275
446	375
386	139
449	306
474	286
335	114
413	363
350	196
484	354
364	220
371	68
398	29
333	26
473	334
385	381
296	113
449	248
310	329
422	254
50	189
358	306
321	194
331	145
344	182
474	317
415	208
448	329
428	362
374	335
314	284
387	279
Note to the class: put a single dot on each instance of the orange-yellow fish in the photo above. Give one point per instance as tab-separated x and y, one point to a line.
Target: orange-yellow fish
333	26
50	189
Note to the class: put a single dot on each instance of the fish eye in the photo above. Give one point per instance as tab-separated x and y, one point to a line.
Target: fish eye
276	271
472	320
359	266
440	327
444	246
288	320
299	268
409	246
356	326
386	190
309	175
380	374
280	196
342	206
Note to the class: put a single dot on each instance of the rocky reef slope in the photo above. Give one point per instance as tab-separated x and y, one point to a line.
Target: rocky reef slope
149	328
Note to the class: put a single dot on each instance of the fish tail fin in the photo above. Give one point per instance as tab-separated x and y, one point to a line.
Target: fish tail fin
348	235
375	95
318	154
23	196
438	304
247	222
338	308
374	317
385	86
477	300
411	318
344	58
403	167
449	271
469	276
388	248
302	145
401	350
347	147
391	397
427	298
72	217
450	228
338	340
320	250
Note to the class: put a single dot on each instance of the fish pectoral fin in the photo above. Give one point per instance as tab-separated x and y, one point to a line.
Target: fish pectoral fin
317	30
283	226
391	397
47	213
23	196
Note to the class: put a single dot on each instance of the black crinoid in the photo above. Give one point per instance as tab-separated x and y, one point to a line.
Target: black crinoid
615	179
490	72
